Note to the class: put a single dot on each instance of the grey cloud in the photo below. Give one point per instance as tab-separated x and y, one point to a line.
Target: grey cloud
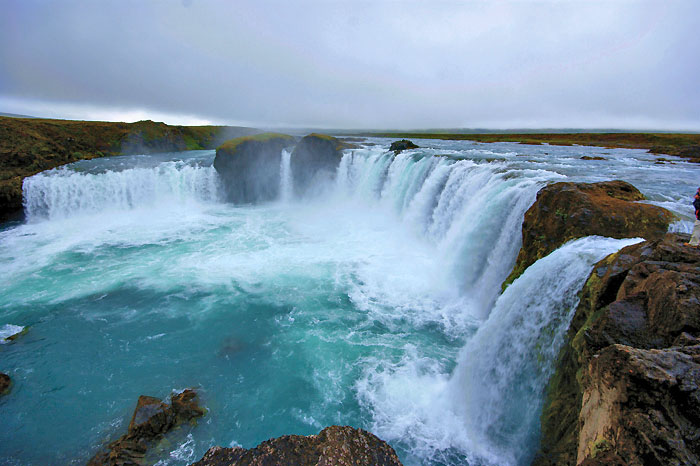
363	64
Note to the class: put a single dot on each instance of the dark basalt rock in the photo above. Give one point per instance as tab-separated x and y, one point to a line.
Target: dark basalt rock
404	144
315	159
335	445
627	385
152	419
5	383
249	166
566	211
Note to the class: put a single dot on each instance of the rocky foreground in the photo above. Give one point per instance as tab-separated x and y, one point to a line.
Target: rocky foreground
335	445
627	387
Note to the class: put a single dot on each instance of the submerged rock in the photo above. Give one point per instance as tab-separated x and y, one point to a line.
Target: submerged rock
566	211
627	384
592	157
151	420
5	383
11	332
315	160
335	445
249	166
404	144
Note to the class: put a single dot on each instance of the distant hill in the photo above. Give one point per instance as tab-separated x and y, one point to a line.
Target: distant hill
14	115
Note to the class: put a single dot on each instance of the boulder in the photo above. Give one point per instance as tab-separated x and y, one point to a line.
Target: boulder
565	211
592	157
314	161
626	389
249	166
404	144
5	383
335	445
152	419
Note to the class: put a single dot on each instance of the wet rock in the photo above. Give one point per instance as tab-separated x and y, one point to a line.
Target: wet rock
11	332
402	145
335	445
314	161
249	166
152	419
5	383
626	389
594	157
566	211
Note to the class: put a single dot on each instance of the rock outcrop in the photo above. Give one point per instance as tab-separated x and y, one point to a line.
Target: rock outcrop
627	385
315	159
566	211
249	166
5	383
335	445
151	420
402	145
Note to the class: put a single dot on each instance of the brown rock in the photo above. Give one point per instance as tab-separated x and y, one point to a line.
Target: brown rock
402	145
566	211
5	383
335	445
152	419
627	385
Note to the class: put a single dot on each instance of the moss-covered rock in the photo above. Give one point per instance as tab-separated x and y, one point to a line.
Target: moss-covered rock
566	211
249	166
314	161
335	445
626	389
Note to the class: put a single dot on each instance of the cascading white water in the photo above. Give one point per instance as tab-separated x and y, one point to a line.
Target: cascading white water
489	405
64	193
471	211
373	301
286	182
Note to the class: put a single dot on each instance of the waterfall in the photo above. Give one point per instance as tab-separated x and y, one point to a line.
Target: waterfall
286	182
499	381
472	212
65	192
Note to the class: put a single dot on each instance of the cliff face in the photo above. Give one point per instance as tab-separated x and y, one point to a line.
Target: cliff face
566	211
335	445
249	166
29	146
627	385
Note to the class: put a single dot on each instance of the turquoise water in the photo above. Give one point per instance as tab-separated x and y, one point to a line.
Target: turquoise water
368	305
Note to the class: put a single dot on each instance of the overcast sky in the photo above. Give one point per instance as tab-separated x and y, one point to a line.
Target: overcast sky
355	64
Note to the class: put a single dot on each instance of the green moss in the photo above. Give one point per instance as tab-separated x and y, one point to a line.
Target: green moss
231	144
600	446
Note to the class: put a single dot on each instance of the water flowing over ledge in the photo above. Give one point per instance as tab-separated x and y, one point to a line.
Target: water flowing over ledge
374	302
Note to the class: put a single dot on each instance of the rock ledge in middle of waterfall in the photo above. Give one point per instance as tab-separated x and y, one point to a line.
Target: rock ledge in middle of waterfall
249	166
565	211
315	160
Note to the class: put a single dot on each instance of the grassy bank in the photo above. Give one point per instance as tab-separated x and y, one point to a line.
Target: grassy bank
680	144
31	145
